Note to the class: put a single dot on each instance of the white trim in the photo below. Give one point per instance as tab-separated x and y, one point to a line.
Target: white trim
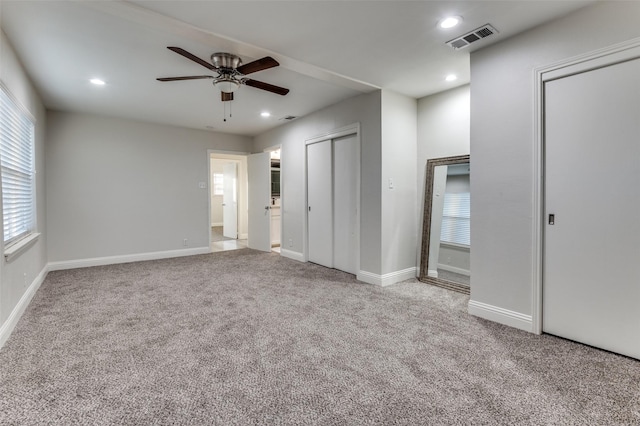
7	327
217	224
138	257
454	269
16	248
243	236
387	279
335	134
289	254
500	315
582	63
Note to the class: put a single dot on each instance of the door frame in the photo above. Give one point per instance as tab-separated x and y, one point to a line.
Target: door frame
210	153
351	129
282	200
611	55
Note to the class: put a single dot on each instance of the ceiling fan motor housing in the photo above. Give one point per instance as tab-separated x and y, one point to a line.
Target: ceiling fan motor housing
225	61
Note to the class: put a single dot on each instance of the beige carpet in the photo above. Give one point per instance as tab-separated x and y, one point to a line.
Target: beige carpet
245	337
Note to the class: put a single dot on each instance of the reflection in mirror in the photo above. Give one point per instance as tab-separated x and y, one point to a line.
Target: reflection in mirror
446	244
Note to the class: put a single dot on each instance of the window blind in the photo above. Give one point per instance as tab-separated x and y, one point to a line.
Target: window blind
218	184
17	170
456	219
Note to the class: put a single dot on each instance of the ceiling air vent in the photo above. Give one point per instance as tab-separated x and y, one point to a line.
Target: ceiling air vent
288	118
473	36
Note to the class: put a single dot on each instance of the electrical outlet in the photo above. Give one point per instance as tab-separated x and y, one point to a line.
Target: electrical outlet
290	242
184	242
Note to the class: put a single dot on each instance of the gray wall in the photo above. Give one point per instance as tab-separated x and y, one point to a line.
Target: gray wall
16	276
388	145
364	109
443	131
399	204
502	148
117	187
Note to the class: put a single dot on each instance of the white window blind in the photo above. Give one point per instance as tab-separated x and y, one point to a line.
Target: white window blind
456	219
218	184
17	170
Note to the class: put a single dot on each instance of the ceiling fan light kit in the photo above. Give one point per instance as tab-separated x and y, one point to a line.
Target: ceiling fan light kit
226	85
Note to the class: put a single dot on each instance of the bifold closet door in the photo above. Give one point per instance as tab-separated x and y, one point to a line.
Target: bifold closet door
345	199
320	203
591	282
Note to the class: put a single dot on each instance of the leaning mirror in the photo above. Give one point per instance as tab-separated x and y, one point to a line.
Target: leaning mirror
446	227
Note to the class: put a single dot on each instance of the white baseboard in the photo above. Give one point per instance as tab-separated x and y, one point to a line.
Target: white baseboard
7	328
217	224
112	260
386	279
243	236
454	269
292	255
501	315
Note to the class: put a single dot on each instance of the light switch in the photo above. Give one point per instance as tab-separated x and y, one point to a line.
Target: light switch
202	185
390	183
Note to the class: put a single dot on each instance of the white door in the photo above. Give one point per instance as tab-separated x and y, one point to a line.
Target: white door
230	201
259	175
591	287
320	203
345	203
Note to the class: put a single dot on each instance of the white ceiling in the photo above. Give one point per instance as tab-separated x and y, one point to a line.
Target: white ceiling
328	51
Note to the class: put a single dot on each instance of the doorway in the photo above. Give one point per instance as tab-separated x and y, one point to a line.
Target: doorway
265	200
591	277
228	201
276	199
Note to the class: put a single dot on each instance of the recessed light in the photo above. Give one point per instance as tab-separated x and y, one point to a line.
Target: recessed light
265	114
97	82
450	22
451	77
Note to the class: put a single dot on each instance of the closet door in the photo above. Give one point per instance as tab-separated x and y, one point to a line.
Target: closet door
320	203
591	283
345	203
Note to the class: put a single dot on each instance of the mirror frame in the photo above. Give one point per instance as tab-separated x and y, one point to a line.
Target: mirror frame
426	224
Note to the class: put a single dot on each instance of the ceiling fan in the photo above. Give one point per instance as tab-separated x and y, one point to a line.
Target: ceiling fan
230	72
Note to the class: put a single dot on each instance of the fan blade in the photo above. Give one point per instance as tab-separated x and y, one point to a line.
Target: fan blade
259	65
226	96
266	86
191	56
189	77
